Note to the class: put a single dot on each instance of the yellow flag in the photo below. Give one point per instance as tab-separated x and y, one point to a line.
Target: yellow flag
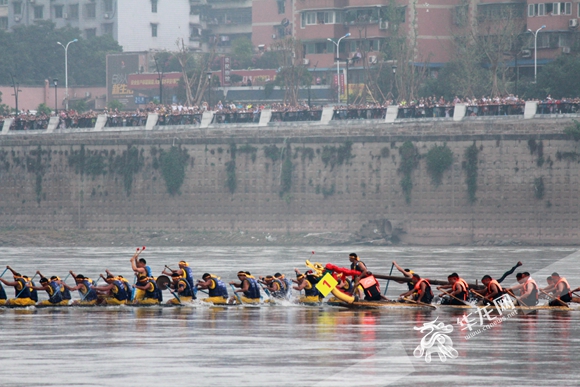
326	284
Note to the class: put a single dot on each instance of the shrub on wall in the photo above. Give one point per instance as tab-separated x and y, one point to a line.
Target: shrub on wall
336	155
231	170
286	175
470	167
573	131
539	188
439	159
409	162
126	165
173	165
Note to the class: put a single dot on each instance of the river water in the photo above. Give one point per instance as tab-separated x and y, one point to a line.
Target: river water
284	345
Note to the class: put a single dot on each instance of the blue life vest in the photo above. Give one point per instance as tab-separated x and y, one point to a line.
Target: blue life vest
279	293
90	294
2	293
119	291
155	293
65	293
24	291
128	289
187	292
189	276
54	293
219	290
253	290
149	272
312	291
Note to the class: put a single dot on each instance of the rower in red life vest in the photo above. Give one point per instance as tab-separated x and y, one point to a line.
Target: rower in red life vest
459	290
493	290
370	287
421	292
560	290
527	290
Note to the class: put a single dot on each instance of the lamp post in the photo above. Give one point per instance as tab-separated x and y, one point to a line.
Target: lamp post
536	51
55	83
337	44
394	67
209	83
66	69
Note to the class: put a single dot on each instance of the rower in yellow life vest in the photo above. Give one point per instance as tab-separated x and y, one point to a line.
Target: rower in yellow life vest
54	289
217	290
526	291
148	292
180	286
115	292
311	294
459	290
23	294
493	290
561	291
249	288
421	291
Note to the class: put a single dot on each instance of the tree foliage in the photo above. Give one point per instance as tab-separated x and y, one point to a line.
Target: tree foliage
31	54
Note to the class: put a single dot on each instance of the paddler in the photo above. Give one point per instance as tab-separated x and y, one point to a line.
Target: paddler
114	292
148	293
2	295
217	290
493	290
527	288
369	285
85	287
459	290
139	266
23	294
560	290
184	291
185	272
311	294
248	286
357	264
421	292
126	284
547	291
54	289
274	286
287	284
408	273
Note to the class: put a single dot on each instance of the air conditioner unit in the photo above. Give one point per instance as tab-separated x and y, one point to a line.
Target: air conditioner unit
384	25
372	59
87	94
305	61
565	50
107	16
573	23
273	36
526	53
65	15
17	19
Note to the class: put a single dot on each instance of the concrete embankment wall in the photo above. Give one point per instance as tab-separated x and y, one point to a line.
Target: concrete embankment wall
342	178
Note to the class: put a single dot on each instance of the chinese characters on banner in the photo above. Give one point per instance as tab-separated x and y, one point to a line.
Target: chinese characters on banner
226	71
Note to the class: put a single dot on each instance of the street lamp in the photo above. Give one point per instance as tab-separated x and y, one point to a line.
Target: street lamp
536	51
55	83
337	44
209	83
66	69
394	67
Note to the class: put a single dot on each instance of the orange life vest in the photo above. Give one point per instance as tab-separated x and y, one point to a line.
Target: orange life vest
465	286
418	286
530	282
566	289
494	282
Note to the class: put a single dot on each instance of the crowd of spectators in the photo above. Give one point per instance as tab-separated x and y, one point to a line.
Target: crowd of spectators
178	114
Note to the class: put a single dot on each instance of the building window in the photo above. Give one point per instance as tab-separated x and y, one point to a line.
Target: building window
567	9
3	2
153	30
108	29
73	11
154	6
108	5
531	10
91	10
308	19
58	10
39	12
281	6
17	8
3	23
90	33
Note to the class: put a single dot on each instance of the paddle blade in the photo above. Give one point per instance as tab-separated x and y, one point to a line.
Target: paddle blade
163	282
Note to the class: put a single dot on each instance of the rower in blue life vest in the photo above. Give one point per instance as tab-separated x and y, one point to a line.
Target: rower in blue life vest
54	289
22	292
306	283
459	290
2	295
287	285
148	293
248	286
185	272
217	290
182	288
126	285
84	285
274	285
421	291
113	293
140	266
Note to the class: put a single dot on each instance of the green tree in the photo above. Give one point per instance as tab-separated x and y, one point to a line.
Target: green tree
115	104
242	52
43	109
4	109
561	78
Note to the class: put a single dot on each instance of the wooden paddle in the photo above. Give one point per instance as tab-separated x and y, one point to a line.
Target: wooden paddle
451	295
431	281
556	299
514	296
236	294
420	303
